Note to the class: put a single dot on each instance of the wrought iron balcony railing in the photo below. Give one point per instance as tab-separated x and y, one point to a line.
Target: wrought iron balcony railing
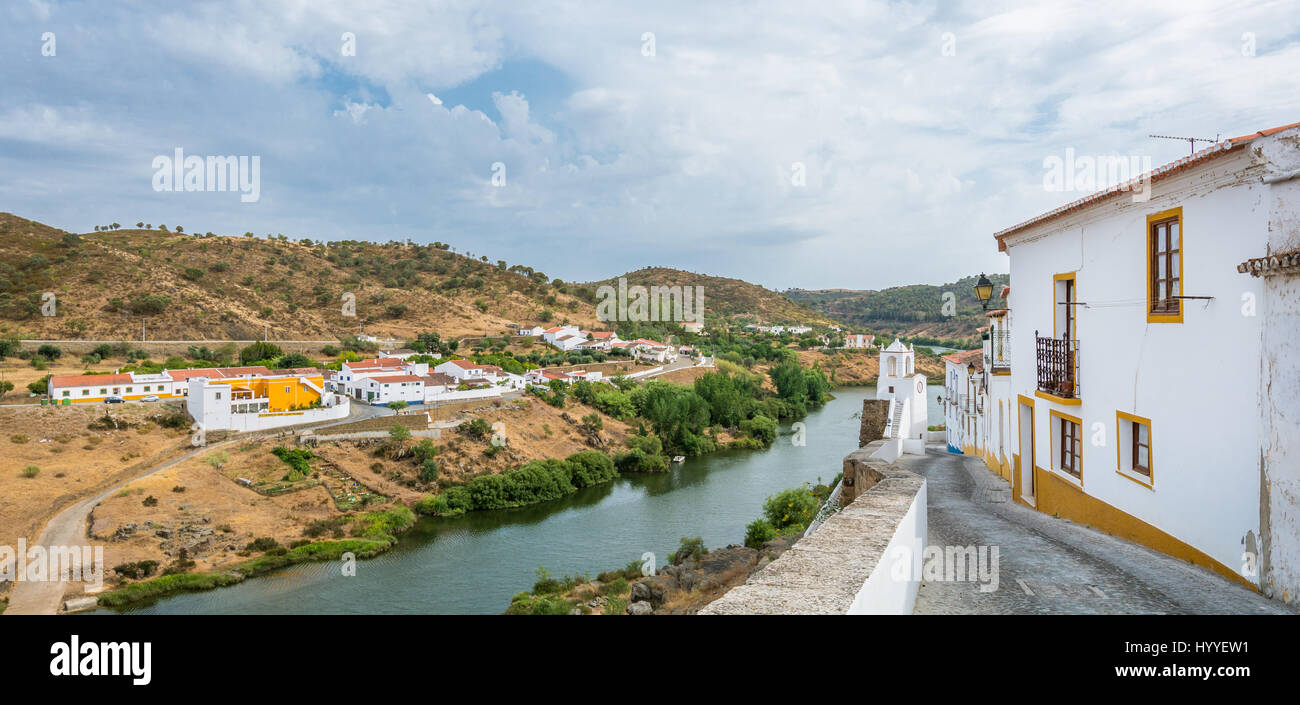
1058	366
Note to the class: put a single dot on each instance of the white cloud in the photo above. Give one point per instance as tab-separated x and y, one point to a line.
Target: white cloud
682	158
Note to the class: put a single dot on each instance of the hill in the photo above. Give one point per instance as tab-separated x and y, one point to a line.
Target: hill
915	310
726	297
188	286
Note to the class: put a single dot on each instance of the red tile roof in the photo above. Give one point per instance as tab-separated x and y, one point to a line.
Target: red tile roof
438	379
182	375
1214	151
384	379
967	357
89	380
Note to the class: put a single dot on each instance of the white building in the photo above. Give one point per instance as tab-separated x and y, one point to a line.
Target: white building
465	370
375	380
551	335
858	340
899	382
645	349
963	400
1155	388
261	402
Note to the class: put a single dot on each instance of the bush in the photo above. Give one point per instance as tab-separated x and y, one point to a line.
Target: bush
31	471
429	470
689	548
424	450
259	351
49	351
261	544
136	570
759	532
299	458
399	433
150	501
545	585
476	429
618	586
760	428
791	509
18	438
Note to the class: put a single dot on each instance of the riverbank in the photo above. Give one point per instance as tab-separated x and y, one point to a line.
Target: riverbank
377	533
714	497
694	575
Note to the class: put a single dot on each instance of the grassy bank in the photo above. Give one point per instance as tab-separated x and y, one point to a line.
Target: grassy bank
377	532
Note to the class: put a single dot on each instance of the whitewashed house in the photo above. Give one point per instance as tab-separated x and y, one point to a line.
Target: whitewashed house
963	400
899	382
1154	391
858	340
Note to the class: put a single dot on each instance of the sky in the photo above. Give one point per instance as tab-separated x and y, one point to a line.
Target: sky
815	145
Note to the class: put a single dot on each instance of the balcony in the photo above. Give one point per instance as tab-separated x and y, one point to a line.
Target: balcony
1058	366
1000	350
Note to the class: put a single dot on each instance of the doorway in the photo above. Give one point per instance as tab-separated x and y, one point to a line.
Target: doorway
1025	465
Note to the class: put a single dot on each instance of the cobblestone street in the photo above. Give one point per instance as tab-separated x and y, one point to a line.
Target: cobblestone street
1048	565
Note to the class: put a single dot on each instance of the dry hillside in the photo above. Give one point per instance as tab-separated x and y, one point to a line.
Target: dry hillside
188	286
727	297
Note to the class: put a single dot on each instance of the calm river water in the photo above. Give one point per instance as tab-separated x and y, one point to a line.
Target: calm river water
475	563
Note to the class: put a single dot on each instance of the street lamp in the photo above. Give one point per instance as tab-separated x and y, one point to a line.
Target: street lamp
984	291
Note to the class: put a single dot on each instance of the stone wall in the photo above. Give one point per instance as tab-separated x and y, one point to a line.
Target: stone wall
847	566
875	413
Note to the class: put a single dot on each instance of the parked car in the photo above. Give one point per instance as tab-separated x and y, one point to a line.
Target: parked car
113	400
151	397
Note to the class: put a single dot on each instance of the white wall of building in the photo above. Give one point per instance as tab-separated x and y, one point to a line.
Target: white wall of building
1197	381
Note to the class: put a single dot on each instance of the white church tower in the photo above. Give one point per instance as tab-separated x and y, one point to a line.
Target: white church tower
899	381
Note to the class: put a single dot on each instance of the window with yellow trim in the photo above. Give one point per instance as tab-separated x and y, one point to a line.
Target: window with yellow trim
1135	445
1164	266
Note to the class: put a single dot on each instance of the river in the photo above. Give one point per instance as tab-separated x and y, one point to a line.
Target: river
475	563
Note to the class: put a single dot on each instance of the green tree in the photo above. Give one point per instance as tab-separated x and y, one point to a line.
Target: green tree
259	351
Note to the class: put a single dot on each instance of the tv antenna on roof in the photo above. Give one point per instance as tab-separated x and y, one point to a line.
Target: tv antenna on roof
1191	141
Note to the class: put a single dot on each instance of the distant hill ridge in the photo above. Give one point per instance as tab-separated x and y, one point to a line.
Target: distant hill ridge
915	310
189	286
725	296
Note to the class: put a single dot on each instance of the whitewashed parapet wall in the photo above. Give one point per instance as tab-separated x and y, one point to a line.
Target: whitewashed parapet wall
860	561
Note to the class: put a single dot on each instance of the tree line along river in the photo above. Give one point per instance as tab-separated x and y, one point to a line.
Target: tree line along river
474	564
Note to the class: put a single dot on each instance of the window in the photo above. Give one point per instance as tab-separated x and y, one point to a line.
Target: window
85	392
1141	437
1067	445
65	392
1134	453
1164	267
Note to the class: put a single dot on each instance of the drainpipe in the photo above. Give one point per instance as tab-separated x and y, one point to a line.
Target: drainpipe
1283	176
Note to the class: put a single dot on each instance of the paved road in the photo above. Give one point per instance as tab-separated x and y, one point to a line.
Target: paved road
68	527
1054	566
